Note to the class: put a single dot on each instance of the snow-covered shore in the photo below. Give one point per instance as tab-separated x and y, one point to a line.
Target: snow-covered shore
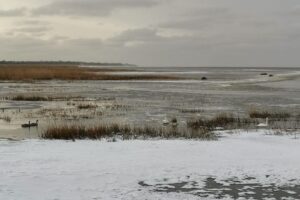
40	169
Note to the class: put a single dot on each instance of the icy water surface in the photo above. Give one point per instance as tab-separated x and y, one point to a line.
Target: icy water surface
233	90
247	188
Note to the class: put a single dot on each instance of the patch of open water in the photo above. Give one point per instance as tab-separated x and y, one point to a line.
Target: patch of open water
233	188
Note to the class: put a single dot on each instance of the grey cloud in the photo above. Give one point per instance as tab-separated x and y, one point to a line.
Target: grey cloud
188	24
19	44
89	7
31	22
146	37
31	27
200	18
229	48
87	43
22	47
198	51
294	11
157	50
205	18
189	32
135	35
12	12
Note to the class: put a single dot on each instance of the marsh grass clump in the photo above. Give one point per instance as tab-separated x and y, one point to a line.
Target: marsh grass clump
117	106
224	120
30	98
6	119
72	132
36	97
280	115
298	117
194	110
285	126
69	103
86	106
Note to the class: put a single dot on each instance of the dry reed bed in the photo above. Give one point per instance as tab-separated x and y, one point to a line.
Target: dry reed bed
278	121
224	120
29	98
201	128
36	97
72	132
282	115
86	106
26	72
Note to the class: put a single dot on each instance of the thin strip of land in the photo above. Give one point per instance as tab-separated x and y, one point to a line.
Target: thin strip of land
36	71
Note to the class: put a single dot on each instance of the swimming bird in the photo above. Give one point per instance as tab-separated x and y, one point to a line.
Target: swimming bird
28	125
35	124
264	124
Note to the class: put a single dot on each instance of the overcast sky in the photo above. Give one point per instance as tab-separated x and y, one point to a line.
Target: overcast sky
153	32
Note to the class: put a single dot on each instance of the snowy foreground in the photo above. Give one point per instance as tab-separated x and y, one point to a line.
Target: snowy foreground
249	165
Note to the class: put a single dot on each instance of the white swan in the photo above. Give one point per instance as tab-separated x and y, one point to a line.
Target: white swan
264	124
165	121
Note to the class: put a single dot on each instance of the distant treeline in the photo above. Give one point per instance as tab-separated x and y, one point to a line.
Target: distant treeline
65	63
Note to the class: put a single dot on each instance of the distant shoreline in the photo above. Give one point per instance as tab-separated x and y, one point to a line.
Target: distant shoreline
67	63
